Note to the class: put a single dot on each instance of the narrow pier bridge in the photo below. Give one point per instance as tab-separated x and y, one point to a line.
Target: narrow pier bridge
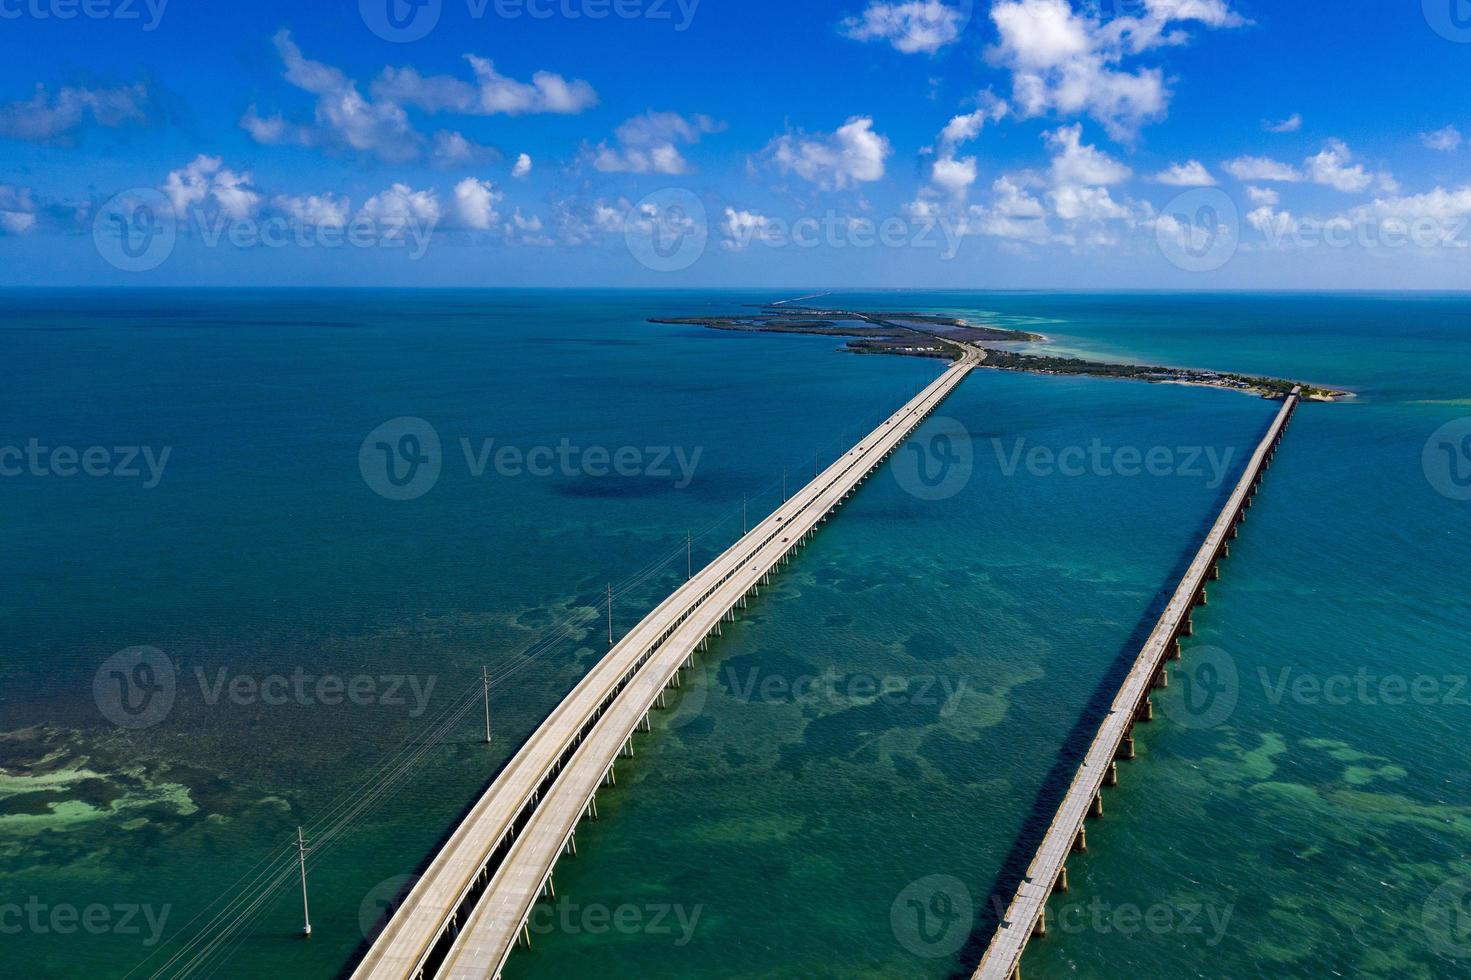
472	904
1026	916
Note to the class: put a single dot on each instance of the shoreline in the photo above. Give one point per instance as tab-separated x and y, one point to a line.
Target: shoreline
940	336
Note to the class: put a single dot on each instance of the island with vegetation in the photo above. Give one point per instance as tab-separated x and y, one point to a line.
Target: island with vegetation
936	335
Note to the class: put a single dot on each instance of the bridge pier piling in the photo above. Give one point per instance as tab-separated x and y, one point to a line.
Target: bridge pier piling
1111	777
1062	884
1126	750
1080	842
1095	810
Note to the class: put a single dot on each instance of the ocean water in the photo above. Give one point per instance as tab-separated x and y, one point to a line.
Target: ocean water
893	721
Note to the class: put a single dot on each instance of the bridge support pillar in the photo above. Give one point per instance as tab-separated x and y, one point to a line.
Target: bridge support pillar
1203	599
1162	679
609	779
1175	650
1040	929
1095	809
1126	750
523	937
1062	885
1080	842
572	845
1189	628
1111	778
1216	572
1146	713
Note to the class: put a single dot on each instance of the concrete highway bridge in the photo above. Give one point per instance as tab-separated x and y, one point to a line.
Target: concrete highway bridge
472	904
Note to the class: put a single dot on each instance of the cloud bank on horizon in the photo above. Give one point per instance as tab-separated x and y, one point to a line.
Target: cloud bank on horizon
920	142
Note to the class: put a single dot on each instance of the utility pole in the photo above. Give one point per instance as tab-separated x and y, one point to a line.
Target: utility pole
610	615
306	915
485	685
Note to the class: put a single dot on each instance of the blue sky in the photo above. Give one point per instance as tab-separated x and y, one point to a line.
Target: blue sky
1190	144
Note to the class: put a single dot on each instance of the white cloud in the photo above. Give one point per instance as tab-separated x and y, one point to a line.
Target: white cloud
1073	162
1445	140
402	205
855	154
452	149
490	94
1331	168
1070	63
1014	214
1074	203
45	118
962	129
741	228
207	177
317	210
954	176
1263	196
17	210
1291	124
1262	168
647	144
1191	174
475	204
343	117
522	167
915	26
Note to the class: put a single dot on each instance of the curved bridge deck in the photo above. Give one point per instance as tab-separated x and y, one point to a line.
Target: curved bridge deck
1048	871
464	915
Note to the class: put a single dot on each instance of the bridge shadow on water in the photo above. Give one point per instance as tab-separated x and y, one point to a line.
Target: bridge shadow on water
992	908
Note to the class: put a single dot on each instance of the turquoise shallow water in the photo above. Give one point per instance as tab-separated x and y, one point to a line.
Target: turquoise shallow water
776	823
